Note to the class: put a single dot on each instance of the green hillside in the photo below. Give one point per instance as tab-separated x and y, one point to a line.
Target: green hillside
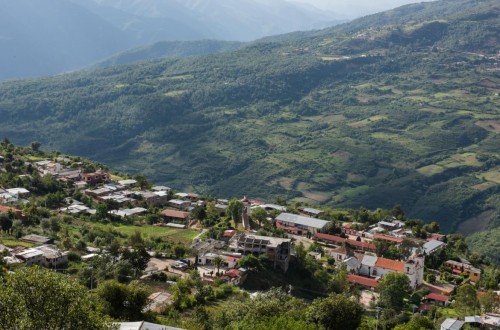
166	49
400	107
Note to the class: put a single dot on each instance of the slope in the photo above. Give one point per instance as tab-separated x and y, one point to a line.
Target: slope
399	113
166	49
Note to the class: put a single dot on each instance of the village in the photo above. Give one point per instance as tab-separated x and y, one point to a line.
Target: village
230	241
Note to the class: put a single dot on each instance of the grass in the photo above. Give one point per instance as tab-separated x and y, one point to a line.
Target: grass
365	122
183	235
174	93
12	242
492	176
430	170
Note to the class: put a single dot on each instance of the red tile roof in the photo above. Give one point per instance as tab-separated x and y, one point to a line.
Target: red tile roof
388	238
362	245
175	214
229	233
233	273
370	282
395	265
19	214
337	239
437	297
331	238
229	258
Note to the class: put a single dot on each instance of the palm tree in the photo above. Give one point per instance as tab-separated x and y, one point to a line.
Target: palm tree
218	261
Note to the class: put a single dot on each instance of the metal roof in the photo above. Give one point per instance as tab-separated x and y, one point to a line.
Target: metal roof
452	324
431	245
302	220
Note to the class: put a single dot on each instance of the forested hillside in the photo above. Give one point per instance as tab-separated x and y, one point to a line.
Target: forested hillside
400	107
164	49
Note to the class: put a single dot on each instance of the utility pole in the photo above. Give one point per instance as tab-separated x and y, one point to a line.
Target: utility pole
378	311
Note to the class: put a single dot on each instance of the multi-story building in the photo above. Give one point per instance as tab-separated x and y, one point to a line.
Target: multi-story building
276	249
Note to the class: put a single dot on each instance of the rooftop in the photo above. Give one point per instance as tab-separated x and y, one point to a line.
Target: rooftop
395	265
302	220
366	281
175	214
388	238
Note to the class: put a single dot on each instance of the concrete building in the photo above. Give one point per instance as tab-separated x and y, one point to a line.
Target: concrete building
276	249
300	224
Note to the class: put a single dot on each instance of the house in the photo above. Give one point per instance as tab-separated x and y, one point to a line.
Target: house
474	321
388	225
176	216
461	267
363	281
52	257
371	265
341	253
95	177
432	246
128	212
491	321
161	188
337	240
208	258
270	207
143	325
35	239
301	224
18	192
30	256
7	198
152	198
276	249
390	239
98	192
119	199
128	182
179	204
310	211
437	299
17	213
452	324
235	276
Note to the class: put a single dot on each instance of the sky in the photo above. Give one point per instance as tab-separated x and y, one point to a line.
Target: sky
356	8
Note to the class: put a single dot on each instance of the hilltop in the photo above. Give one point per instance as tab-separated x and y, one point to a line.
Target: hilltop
399	107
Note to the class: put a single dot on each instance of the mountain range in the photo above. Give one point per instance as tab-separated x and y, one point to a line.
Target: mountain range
48	37
397	107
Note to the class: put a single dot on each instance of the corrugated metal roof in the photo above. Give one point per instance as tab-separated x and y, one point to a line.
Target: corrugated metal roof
302	220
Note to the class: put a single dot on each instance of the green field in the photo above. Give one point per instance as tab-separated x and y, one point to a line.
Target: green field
183	235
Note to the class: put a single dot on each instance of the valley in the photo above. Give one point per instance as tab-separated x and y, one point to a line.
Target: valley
360	115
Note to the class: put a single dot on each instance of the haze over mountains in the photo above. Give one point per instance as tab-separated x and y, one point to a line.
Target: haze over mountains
52	36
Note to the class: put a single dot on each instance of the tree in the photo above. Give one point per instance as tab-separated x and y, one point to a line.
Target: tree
35	145
199	213
335	312
235	209
393	288
466	302
489	302
259	214
5	222
418	322
218	261
250	261
142	181
35	298
124	302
